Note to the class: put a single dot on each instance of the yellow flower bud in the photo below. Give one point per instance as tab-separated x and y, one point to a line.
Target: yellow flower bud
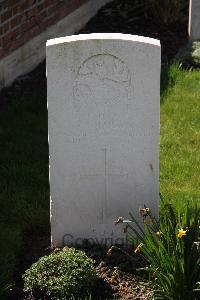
159	233
181	233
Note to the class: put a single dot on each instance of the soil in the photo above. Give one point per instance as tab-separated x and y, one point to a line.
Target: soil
118	275
118	278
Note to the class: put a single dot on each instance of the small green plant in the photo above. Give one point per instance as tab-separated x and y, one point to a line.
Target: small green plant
171	248
64	274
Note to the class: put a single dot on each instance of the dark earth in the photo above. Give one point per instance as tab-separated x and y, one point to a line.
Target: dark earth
117	275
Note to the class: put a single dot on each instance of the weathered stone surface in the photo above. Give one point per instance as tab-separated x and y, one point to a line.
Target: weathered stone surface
103	105
194	20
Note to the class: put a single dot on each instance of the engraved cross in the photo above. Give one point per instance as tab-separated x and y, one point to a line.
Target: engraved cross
106	174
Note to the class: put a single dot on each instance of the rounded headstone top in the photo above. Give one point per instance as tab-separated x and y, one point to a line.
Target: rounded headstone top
103	36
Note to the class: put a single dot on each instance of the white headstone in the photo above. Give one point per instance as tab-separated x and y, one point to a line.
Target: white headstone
103	106
194	20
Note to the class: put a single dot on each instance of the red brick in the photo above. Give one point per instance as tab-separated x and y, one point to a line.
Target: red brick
4	5
16	32
16	44
41	6
51	20
31	33
15	10
6	40
35	30
5	16
12	2
24	5
16	21
32	12
39	18
42	16
70	6
49	2
6	27
34	18
39	2
9	37
26	26
54	8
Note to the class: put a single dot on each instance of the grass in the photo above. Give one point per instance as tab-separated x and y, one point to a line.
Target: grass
180	137
24	192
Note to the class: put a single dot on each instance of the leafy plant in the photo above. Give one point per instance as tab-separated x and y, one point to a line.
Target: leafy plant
171	247
66	274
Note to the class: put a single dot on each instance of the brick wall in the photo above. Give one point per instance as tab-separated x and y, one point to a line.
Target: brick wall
21	20
26	25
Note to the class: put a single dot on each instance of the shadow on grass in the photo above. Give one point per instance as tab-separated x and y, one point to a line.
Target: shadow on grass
169	75
24	194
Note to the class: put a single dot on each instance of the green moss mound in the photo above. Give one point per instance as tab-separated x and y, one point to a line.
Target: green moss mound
66	274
